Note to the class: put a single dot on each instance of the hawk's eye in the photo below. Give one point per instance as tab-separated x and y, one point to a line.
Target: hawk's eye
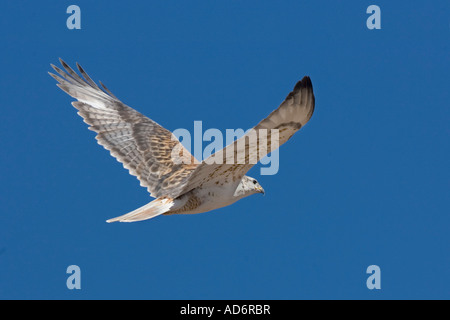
254	181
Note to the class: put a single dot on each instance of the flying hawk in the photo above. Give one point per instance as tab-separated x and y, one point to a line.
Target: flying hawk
180	183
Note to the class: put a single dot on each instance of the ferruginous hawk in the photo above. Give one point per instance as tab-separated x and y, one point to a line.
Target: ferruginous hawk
180	183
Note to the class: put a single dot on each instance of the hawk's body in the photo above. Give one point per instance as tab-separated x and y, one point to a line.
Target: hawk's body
180	183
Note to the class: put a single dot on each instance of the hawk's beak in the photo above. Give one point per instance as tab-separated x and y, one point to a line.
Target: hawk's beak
261	190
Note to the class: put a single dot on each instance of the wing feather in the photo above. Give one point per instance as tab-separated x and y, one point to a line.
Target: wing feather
139	143
236	159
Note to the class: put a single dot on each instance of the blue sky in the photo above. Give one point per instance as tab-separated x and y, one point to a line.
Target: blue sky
365	182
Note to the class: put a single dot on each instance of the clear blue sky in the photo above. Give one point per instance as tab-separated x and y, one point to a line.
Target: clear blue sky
366	182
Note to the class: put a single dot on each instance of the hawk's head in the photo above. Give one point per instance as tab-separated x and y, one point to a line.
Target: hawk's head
247	187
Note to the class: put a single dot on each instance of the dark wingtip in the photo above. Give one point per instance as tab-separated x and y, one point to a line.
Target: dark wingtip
304	83
54	67
62	62
80	68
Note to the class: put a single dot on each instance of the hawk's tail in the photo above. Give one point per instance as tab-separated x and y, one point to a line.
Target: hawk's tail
150	210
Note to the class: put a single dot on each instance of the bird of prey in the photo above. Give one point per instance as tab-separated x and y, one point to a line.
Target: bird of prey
180	183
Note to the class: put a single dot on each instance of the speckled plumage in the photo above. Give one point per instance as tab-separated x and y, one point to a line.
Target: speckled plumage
181	184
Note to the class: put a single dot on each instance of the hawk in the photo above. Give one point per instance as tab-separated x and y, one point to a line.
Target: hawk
180	183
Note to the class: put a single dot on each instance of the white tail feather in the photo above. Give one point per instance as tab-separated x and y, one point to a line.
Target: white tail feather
150	210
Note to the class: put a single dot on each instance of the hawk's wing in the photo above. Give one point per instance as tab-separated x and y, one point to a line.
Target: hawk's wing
233	162
143	147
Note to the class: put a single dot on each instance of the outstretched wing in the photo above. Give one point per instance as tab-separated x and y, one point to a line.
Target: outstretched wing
233	162
150	152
